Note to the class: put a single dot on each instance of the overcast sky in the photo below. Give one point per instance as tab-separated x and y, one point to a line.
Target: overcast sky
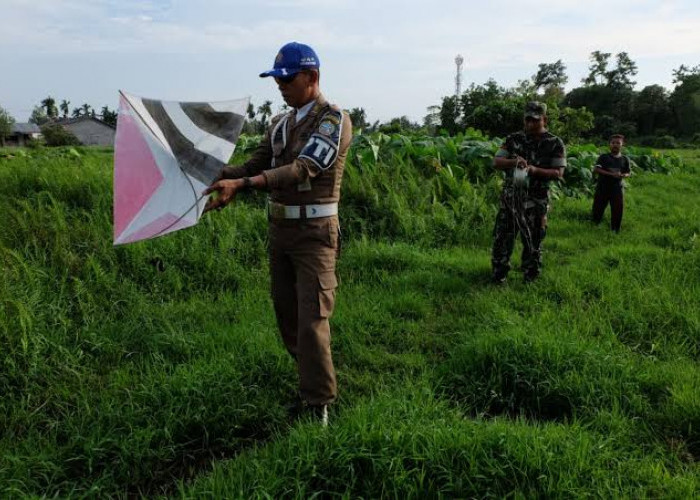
390	57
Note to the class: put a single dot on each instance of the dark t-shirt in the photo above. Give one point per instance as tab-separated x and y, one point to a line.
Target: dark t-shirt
611	163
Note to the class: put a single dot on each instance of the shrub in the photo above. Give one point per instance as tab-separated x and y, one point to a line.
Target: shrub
662	142
56	135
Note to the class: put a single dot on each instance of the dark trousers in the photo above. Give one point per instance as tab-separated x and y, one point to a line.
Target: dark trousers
302	270
614	197
530	221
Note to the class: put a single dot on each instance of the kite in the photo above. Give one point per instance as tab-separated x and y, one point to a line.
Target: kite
166	154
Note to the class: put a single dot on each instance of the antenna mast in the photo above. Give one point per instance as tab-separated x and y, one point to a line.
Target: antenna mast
459	61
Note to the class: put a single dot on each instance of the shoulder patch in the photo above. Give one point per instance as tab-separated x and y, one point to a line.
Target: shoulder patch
327	127
322	147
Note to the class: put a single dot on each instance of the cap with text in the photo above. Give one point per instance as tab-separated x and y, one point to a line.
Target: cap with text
293	58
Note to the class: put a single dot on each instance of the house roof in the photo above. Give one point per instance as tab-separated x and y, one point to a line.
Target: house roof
25	128
71	121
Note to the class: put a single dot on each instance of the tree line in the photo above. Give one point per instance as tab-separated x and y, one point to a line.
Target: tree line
606	102
49	111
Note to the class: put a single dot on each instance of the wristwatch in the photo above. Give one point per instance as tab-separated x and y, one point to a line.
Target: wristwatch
246	183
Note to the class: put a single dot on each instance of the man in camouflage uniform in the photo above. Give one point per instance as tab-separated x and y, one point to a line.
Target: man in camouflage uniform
300	162
541	156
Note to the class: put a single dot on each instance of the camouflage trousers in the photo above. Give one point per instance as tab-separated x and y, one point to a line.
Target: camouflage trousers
524	214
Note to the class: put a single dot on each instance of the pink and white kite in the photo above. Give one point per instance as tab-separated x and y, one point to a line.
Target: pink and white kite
166	154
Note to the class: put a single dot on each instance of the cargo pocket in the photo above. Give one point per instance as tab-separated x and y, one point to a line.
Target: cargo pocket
327	284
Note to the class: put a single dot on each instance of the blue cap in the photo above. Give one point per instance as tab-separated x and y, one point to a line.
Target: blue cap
293	58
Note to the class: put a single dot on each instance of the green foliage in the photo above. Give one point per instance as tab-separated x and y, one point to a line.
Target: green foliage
6	123
608	94
49	107
156	368
612	107
493	109
619	77
550	75
447	185
108	116
652	110
498	111
398	125
65	108
663	142
56	135
358	117
572	123
685	101
38	116
449	114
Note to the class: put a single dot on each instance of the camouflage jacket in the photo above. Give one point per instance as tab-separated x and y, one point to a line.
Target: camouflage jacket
547	151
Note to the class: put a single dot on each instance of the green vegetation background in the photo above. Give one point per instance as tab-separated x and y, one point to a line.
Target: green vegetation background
156	368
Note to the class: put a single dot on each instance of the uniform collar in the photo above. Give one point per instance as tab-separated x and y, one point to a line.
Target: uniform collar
309	110
300	113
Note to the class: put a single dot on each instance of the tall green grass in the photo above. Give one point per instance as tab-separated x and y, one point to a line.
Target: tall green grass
156	368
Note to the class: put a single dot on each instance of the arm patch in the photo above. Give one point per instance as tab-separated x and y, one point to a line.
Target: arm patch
322	147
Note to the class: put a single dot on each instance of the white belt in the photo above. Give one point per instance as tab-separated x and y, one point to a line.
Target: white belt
279	211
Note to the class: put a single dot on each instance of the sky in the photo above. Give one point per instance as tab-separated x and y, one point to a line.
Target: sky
390	57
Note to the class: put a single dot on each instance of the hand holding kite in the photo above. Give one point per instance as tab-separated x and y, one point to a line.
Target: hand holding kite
226	190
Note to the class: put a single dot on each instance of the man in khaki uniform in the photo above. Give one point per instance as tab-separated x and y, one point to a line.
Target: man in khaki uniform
300	162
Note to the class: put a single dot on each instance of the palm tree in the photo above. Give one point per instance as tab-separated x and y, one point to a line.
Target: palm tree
109	117
65	108
251	111
49	105
77	112
85	108
265	110
358	116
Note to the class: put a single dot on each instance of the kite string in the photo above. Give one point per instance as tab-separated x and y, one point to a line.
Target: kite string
196	204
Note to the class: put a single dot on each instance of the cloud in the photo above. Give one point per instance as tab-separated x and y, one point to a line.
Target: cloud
501	33
403	49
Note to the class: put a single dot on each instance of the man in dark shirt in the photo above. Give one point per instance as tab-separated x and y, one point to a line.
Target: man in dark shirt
611	169
530	159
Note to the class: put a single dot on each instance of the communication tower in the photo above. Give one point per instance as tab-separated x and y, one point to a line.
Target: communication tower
459	61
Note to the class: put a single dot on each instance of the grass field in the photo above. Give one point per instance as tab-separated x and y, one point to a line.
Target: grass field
156	369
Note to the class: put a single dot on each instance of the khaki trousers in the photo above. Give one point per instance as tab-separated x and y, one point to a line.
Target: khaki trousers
302	270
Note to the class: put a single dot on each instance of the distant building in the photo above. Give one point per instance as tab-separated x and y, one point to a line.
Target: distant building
90	131
22	133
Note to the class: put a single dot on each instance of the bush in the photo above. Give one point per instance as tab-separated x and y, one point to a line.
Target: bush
696	138
661	142
667	142
56	135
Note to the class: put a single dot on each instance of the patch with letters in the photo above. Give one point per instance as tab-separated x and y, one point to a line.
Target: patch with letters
322	147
